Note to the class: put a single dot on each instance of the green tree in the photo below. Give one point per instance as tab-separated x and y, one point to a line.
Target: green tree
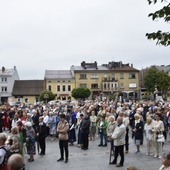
80	93
157	79
162	38
47	96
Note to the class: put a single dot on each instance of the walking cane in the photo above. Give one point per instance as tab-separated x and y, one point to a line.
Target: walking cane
110	152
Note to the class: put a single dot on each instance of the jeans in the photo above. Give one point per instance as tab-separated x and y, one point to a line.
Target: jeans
102	135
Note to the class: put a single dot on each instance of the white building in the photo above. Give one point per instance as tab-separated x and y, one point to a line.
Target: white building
7	79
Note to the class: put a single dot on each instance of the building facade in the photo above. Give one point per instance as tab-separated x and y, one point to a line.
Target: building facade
28	91
7	79
60	82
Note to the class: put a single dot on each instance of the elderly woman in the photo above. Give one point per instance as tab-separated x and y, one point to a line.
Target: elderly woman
165	162
158	128
138	132
3	150
52	125
149	135
110	129
30	141
93	119
13	141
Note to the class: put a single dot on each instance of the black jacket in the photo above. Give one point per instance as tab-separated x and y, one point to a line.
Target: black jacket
85	125
42	130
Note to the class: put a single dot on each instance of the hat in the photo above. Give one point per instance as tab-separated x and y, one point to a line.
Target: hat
28	124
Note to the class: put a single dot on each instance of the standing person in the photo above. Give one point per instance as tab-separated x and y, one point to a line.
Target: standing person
158	129
62	130
41	135
52	125
35	120
85	125
79	141
10	117
110	129
15	162
165	162
30	141
1	120
102	125
72	123
119	141
138	132
93	119
149	135
3	150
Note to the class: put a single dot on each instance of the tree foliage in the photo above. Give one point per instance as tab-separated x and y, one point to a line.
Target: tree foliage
157	79
162	38
47	96
80	93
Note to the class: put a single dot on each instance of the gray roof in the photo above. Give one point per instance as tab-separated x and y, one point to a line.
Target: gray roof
58	74
166	69
7	72
80	68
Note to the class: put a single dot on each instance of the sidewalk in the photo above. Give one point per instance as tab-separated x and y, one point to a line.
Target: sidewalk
95	158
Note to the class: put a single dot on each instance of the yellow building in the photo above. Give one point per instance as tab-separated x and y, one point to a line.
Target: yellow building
60	82
107	79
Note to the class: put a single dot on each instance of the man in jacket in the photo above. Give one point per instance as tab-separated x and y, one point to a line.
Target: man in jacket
62	130
119	141
41	135
84	127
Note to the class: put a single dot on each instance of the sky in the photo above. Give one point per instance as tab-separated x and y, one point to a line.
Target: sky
39	35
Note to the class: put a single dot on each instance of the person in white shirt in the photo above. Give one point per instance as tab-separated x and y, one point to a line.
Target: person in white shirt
149	135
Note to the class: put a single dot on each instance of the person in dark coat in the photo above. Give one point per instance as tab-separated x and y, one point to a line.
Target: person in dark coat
41	135
85	126
138	132
35	120
72	123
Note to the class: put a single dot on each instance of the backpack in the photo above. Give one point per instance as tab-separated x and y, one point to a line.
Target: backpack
6	156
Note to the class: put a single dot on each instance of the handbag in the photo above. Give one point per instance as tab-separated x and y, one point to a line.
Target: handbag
160	138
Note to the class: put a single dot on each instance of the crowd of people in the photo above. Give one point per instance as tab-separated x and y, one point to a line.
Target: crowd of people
80	122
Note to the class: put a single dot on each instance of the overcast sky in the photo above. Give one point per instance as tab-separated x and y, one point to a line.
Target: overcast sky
39	35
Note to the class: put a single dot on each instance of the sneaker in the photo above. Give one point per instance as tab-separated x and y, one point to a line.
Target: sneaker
160	157
151	153
155	156
147	154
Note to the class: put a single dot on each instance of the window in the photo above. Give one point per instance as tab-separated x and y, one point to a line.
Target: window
83	85
49	81
122	85
4	89
58	87
4	79
58	81
132	75
69	87
94	86
113	77
49	87
83	76
121	76
132	85
64	88
94	76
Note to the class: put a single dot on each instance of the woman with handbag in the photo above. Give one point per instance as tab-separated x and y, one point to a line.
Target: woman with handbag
158	128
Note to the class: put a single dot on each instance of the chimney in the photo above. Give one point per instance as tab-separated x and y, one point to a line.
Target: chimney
3	69
95	63
83	64
132	65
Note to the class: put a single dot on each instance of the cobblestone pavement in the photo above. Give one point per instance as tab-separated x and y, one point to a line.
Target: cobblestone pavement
95	158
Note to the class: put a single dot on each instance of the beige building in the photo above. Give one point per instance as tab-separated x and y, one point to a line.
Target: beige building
60	82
